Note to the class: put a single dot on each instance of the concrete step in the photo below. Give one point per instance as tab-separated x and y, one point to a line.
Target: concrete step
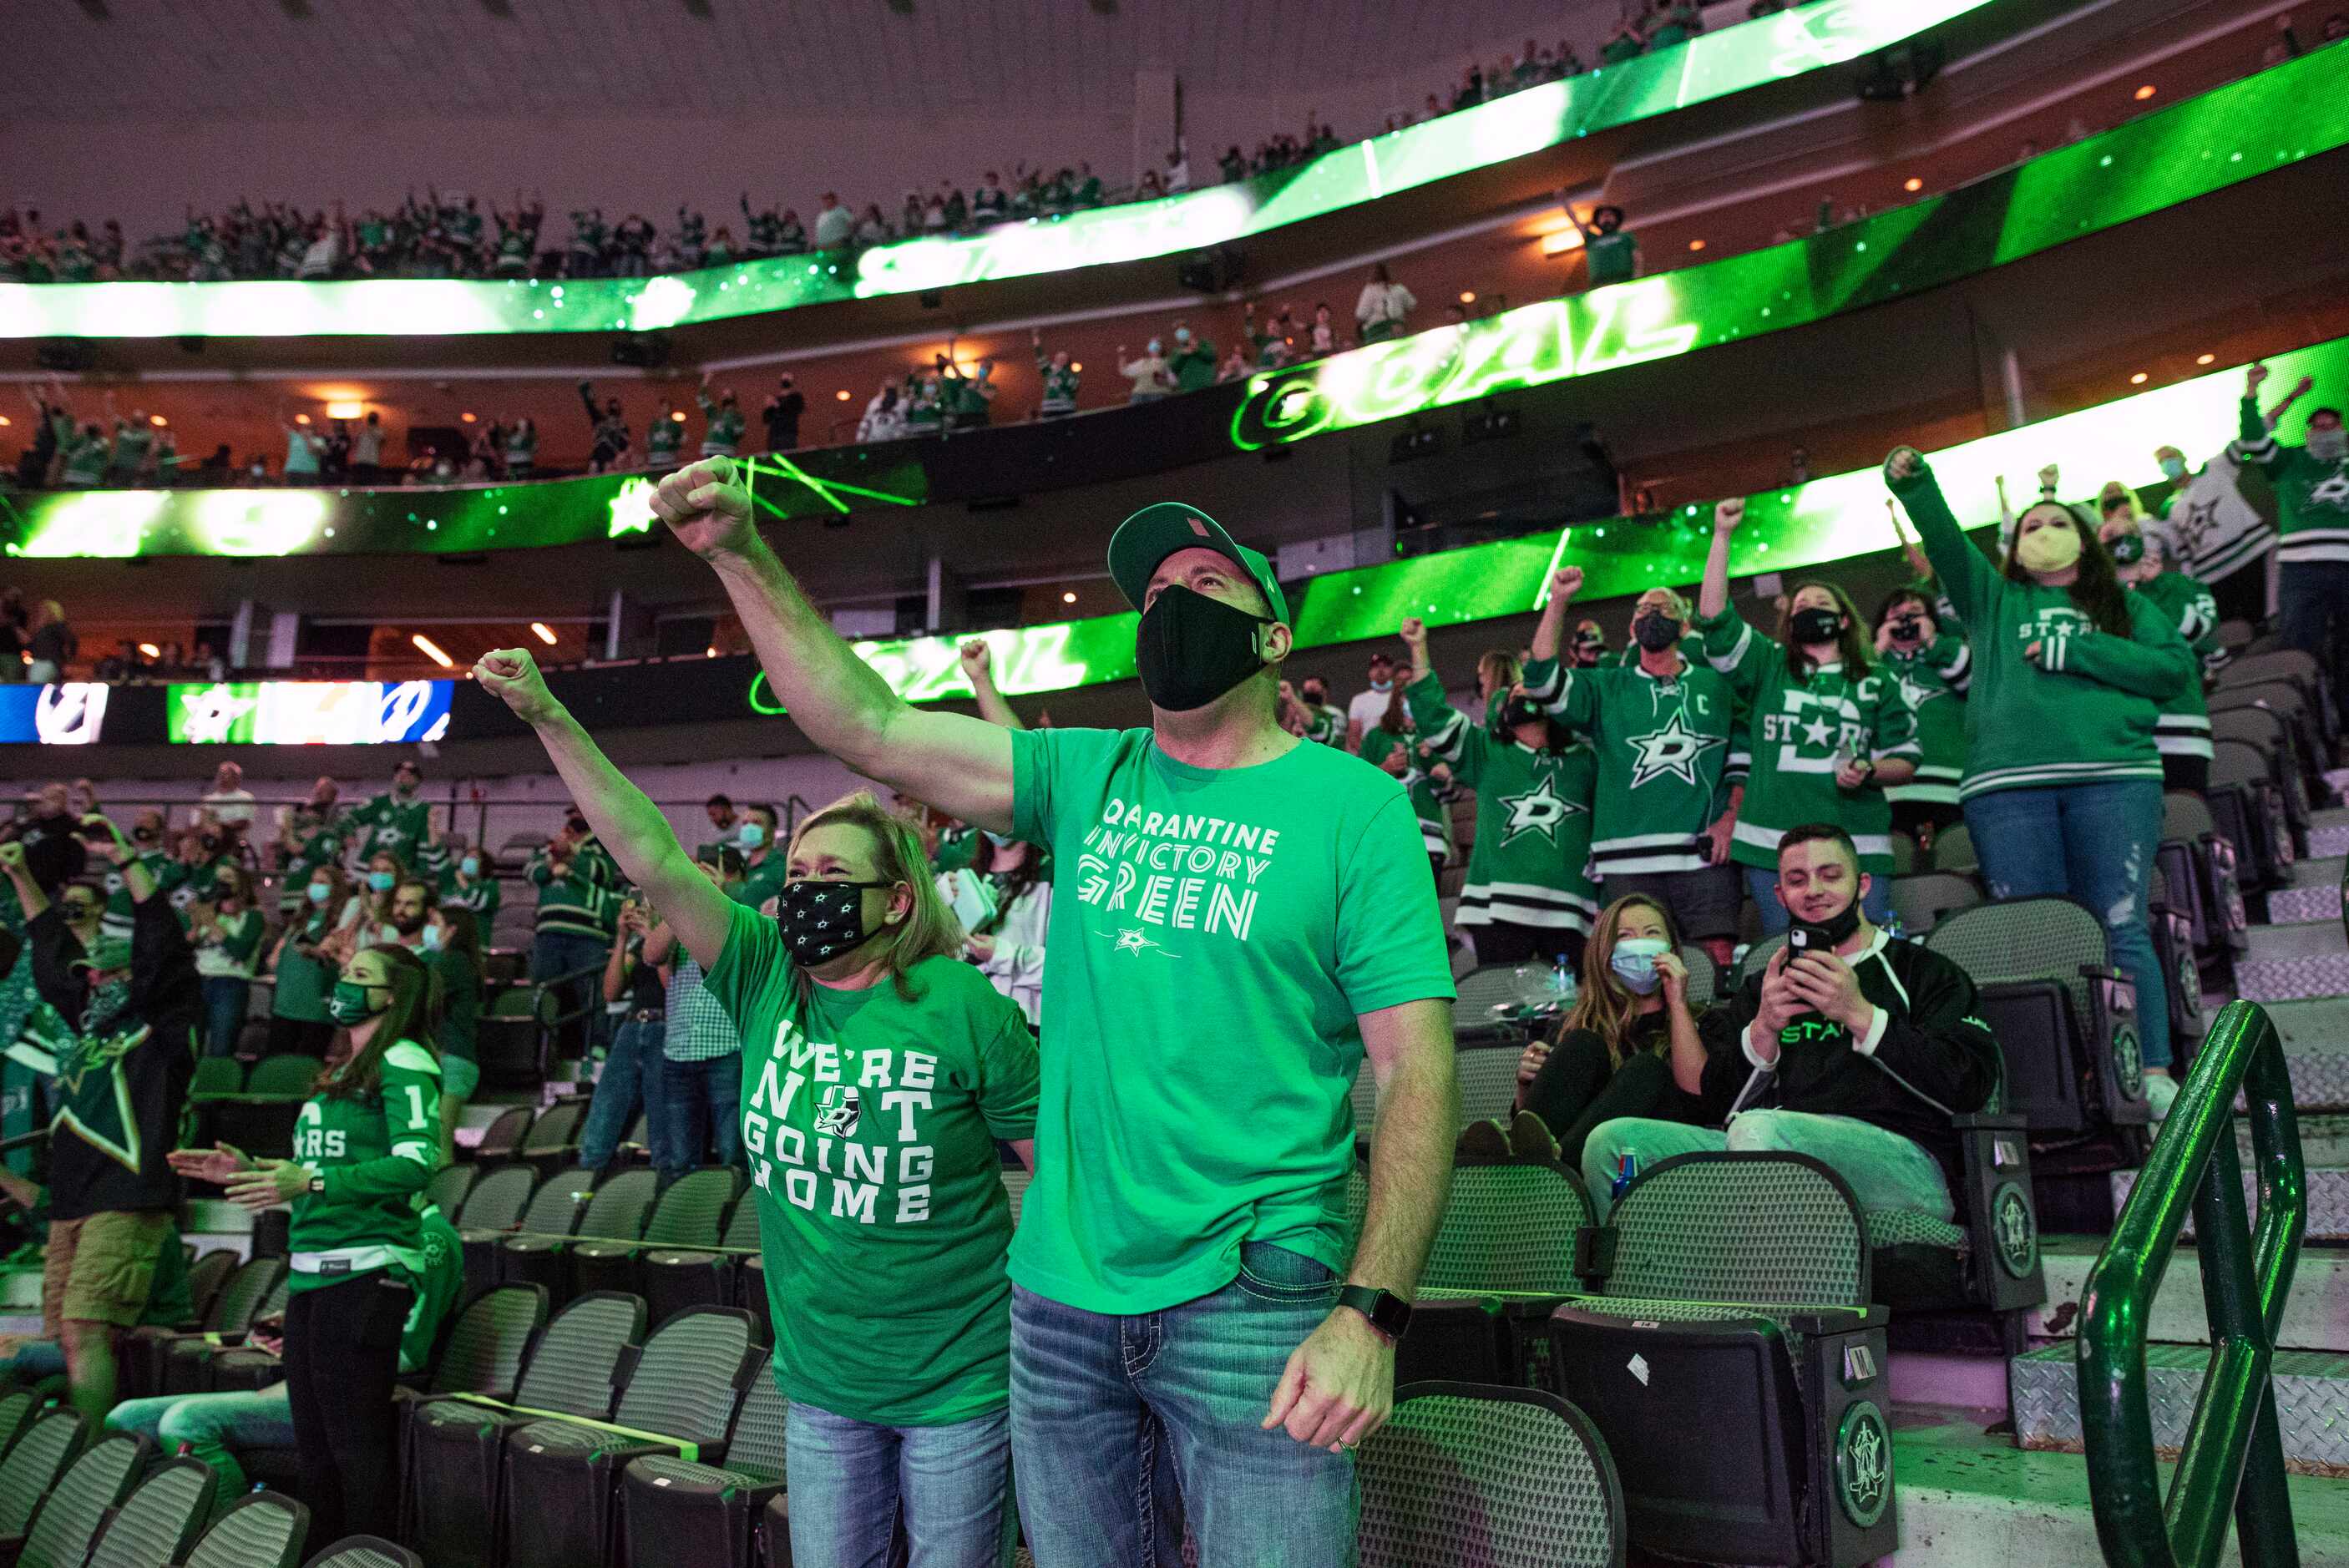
1970	1498
2330	838
2328	1200
2315	1314
2291	963
2311	1389
2317	870
2296	943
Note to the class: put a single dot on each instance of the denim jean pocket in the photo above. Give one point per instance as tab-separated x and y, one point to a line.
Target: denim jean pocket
1275	1274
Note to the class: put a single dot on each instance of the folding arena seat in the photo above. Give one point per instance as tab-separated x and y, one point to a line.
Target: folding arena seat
1014	1188
554	1209
2172	930
1522	1474
192	1365
17	1408
686	1215
480	1349
2198	862
2247	806
493	1207
35	1462
151	1364
514	1036
676	1278
1494	998
1953	850
449	1186
2066	1018
158	1523
1703	975
502	1139
216	1076
2306	751
206	1276
616	1211
673	1510
563	1476
259	1117
67	1520
366	1552
1731	1299
1487	1070
452	1492
1921	901
260	1530
553	1138
1504	1256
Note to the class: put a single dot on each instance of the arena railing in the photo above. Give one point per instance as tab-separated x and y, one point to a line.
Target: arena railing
2232	1460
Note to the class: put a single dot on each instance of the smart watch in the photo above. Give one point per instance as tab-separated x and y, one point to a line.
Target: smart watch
318	1186
1388	1313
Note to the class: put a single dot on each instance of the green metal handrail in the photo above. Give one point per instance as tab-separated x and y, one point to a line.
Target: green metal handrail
2233	1457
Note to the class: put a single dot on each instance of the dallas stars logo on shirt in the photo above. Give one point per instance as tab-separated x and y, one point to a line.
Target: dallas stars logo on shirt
94	1098
1674	749
1917	695
1540	809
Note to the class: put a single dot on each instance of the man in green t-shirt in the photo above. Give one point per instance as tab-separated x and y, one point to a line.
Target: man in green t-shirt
1243	917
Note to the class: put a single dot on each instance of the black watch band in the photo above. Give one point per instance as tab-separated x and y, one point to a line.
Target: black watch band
1388	1313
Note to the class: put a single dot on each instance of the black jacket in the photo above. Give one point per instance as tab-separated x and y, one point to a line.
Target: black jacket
121	1092
1933	1061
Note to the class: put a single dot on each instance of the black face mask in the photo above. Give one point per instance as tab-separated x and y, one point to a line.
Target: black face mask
1193	649
1656	632
1520	710
1828	935
1315	696
1812	627
822	919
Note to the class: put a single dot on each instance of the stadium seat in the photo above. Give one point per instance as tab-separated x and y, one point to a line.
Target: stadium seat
1015	1187
678	1278
1491	998
1703	976
1733	1300
216	1075
1487	1069
366	1552
553	1138
192	1365
452	1492
2198	864
2247	806
259	1529
67	1520
514	1036
155	1525
563	1476
1920	901
206	1276
673	1510
17	1408
2305	753
1462	1473
1953	850
616	1213
35	1462
2064	1018
259	1117
289	1074
554	1209
502	1137
480	1351
143	1361
686	1215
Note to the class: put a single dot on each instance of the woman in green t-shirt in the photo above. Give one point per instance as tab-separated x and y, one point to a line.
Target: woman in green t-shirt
879	1072
297	1012
364	1147
226	933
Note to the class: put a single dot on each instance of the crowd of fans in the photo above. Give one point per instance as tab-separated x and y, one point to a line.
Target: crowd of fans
452	235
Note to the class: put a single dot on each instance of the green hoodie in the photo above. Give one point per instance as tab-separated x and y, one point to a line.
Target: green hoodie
2084	711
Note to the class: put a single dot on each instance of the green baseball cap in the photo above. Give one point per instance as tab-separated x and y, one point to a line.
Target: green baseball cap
1159	530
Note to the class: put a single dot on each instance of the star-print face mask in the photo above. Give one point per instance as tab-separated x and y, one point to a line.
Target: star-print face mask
820	920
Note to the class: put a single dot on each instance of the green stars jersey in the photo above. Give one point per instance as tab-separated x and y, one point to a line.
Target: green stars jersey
2312	496
870	1121
1661	746
479	894
722	435
1802	729
1530	864
375	1154
1327	725
1059	386
392	824
662	437
584	902
169	874
2184	727
437	1286
132	444
2084	711
1934	681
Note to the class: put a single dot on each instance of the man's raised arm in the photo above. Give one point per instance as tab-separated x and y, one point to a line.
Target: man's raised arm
959	763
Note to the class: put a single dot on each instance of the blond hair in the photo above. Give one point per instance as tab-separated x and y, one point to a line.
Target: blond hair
929	929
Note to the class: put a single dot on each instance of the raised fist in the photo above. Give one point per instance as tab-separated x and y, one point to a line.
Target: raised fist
514	677
1414	632
977	660
2253	377
707	507
1728	515
1903	462
1565	583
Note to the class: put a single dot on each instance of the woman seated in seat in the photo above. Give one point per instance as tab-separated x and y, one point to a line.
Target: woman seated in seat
1612	1055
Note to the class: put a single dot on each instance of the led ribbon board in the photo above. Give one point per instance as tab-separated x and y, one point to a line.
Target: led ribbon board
308	713
1712	65
2262	122
70	712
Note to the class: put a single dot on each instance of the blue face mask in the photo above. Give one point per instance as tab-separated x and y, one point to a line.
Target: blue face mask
2174	467
470	865
1634	963
432	939
321	892
382	882
751	835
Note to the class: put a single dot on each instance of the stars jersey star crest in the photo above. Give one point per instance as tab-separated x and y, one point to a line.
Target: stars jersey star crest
1674	749
1540	809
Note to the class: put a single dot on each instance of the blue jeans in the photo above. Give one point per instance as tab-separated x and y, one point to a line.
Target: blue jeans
2095	842
1762	887
1113	1416
225	999
698	1103
214	1427
631	1077
853	1482
2312	615
1886	1170
557	953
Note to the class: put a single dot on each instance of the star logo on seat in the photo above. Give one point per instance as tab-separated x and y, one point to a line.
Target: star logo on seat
1540	809
1674	749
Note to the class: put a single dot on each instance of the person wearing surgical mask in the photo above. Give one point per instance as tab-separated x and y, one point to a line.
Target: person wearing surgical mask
226	929
466	880
2141	552
1008	945
303	963
764	868
1368	709
2062	790
1151	376
1611	1056
2311	489
1845	1046
384	874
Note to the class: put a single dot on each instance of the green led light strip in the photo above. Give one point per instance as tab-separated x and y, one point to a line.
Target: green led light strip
1787	530
2265	122
1712	65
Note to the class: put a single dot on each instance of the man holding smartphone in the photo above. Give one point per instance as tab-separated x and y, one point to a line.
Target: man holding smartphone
1848	1046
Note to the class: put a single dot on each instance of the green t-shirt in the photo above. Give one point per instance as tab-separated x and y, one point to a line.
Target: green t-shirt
1214	935
870	1124
376	1154
1612	258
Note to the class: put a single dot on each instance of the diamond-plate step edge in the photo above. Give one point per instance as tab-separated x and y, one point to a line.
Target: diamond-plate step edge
2328	1200
2300	905
2324	843
2315	1314
2312	1393
2292	979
